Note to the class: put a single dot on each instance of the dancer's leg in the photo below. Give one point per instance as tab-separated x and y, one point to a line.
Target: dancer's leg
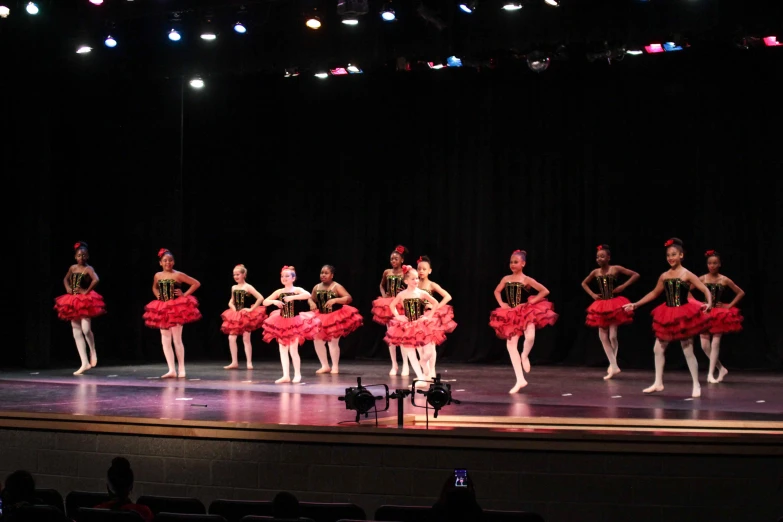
427	360
712	348
423	360
248	349
334	352
87	331
613	340
512	345
232	347
660	360
393	355
179	348
284	362
693	365
410	353
293	350
603	334
405	369
320	351
722	371
530	338
168	353
81	346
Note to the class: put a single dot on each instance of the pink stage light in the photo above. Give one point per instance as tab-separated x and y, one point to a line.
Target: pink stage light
771	41
338	72
96	2
654	48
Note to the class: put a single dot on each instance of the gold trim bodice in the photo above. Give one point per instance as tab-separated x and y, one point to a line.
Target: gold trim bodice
76	281
239	299
717	291
413	307
516	293
676	291
287	310
394	285
321	298
166	289
606	285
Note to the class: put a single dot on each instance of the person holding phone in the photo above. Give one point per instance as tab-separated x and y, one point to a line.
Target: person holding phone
457	500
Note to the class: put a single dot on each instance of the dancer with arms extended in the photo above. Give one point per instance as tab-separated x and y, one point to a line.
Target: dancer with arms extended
443	314
172	310
726	317
607	312
80	304
519	315
391	285
330	300
679	318
241	319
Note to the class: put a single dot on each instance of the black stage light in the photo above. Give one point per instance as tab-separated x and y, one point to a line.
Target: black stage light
361	400
439	395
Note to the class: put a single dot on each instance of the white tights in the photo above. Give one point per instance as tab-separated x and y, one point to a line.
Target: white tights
660	360
608	338
710	343
427	357
82	334
232	346
173	334
334	351
521	363
291	349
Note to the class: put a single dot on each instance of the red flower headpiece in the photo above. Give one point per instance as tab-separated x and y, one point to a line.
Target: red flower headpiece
600	247
419	260
162	252
709	253
405	269
669	243
77	245
400	250
286	267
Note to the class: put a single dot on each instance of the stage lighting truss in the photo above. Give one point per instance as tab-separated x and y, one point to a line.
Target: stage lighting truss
438	396
361	400
351	10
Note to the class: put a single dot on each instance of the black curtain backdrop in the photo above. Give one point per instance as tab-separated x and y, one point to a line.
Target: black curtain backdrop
461	166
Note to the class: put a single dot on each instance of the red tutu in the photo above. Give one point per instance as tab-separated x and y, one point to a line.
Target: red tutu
237	323
71	307
675	323
174	312
725	320
338	323
604	313
303	326
381	313
443	318
422	331
508	322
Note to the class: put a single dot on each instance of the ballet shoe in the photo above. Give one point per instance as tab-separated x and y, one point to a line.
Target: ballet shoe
335	370
611	373
283	379
323	369
518	387
83	369
93	361
405	372
393	371
712	380
722	373
526	364
654	388
170	375
232	366
181	375
297	378
696	392
422	384
249	366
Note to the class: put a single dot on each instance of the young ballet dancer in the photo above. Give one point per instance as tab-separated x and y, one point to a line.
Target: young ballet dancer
286	326
443	315
415	328
80	304
241	318
607	312
171	310
391	285
520	314
679	318
329	300
726	318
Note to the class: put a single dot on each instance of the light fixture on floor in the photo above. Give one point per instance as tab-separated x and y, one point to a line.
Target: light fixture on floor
438	396
362	401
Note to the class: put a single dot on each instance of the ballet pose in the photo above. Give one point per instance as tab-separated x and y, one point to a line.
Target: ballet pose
286	326
330	301
80	304
391	285
679	318
519	316
607	312
172	310
443	315
241	319
415	328
726	318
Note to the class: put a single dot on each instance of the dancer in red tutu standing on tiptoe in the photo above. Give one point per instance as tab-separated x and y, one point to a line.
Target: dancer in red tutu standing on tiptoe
80	304
607	312
241	318
391	285
679	318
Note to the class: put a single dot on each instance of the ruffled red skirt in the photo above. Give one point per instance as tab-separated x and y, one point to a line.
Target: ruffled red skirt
338	323
675	323
237	323
443	318
508	322
303	326
71	307
604	313
422	331
174	312
381	313
725	320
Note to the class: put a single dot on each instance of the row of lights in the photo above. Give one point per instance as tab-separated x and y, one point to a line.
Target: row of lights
470	7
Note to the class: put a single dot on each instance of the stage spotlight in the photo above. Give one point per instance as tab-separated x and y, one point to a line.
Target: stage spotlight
353	69
654	48
208	35
553	3
84	49
313	22
322	75
433	65
671	46
351	21
769	41
32	8
512	6
4	11
291	72
439	395
453	61
110	42
174	36
96	2
387	13
634	52
360	399
538	61
468	7
197	83
239	28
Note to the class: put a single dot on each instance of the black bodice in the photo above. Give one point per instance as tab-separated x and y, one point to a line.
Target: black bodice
676	291
321	298
717	291
516	293
166	289
414	308
606	285
394	285
288	310
239	299
79	280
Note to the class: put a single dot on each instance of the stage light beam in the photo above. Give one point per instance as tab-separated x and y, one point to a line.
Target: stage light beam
313	22
110	42
32	8
4	11
197	83
83	49
174	36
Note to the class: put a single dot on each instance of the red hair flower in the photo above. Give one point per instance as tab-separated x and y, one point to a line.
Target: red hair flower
400	249
405	269
77	245
162	251
285	267
709	253
600	247
669	243
419	260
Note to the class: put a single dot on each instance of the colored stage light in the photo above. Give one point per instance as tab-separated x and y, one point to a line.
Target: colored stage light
453	61
339	71
241	29
110	42
771	41
671	46
654	48
32	8
174	36
433	65
96	2
468	7
313	22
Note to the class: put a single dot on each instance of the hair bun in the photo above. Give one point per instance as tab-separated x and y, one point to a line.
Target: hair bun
79	244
